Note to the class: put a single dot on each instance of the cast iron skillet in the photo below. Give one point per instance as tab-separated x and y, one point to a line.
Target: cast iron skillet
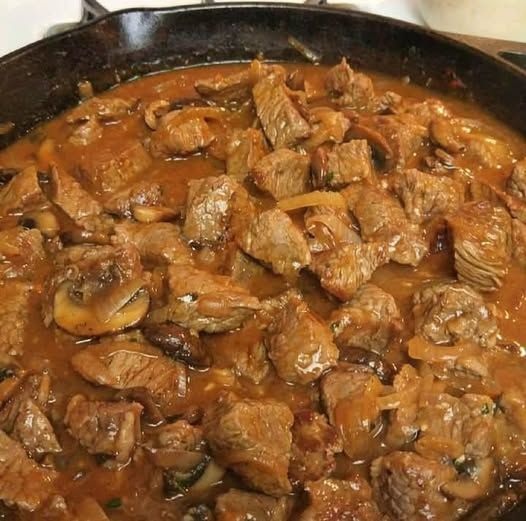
40	81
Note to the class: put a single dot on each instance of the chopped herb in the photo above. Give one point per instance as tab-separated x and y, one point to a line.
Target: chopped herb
115	502
329	178
485	409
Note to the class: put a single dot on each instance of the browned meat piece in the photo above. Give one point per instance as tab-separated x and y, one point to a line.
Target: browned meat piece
408	487
382	218
22	193
68	194
252	437
327	126
182	132
517	180
283	174
14	315
245	148
341	500
368	321
21	252
109	168
145	193
232	88
157	243
482	242
314	444
281	111
204	302
518	230
102	109
449	312
209	207
426	111
342	164
23	483
349	395
238	505
329	227
109	428
86	133
344	269
126	365
272	238
349	88
426	196
300	344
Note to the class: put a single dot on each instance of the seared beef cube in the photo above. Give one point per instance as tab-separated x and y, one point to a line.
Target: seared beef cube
518	230
204	302
159	243
23	483
101	109
144	193
314	444
21	252
283	174
300	344
449	312
129	365
232	88
22	193
382	218
252	437
341	500
107	428
427	196
409	487
238	505
68	194
516	184
209	207
280	112
368	321
428	110
327	126
111	168
482	242
349	88
86	133
272	238
343	164
14	315
245	148
344	269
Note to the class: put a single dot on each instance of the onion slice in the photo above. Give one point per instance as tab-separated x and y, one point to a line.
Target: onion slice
313	199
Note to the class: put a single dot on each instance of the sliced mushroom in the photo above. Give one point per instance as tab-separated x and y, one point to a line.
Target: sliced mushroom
153	214
152	412
444	134
11	374
474	483
44	220
383	369
81	319
378	142
155	110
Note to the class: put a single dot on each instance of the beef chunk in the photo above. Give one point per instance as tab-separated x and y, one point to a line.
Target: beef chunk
181	132
283	174
426	196
327	126
128	365
108	428
111	168
341	500
280	112
144	193
253	438
345	268
381	218
158	243
272	238
23	483
367	321
244	149
314	444
516	184
518	230
300	344
342	164
449	312
14	316
482	242
349	88
238	505
21	252
22	193
209	207
204	302
101	109
408	486
86	133
232	88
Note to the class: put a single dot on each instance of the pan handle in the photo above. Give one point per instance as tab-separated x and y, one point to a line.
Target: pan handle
92	9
